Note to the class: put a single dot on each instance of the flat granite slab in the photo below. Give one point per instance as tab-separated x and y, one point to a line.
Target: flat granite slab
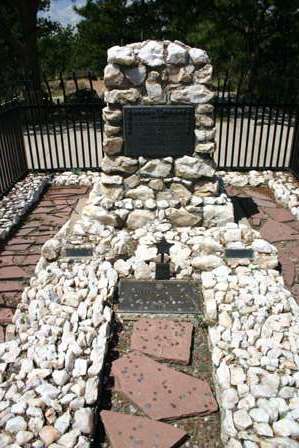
163	339
159	296
162	393
127	431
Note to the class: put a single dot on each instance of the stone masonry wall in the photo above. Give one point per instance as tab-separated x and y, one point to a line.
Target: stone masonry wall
133	191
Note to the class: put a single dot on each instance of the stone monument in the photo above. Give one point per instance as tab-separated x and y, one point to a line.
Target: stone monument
159	139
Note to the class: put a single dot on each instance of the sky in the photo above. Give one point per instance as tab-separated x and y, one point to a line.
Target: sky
62	11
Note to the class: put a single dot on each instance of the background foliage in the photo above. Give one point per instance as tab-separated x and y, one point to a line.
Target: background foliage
257	40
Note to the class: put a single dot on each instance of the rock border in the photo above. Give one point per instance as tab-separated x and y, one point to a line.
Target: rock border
19	201
283	185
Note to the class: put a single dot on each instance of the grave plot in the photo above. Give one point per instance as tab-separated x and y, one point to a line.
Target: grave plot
137	373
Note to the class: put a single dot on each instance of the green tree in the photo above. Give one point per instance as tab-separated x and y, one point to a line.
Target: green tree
19	24
57	48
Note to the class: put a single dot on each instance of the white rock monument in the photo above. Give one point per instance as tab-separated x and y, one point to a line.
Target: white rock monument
183	189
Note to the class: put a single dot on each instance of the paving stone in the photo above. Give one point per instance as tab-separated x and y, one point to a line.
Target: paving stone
10	286
17	241
17	247
264	203
126	431
279	214
163	339
26	260
294	225
10	272
274	231
288	269
7	260
259	193
6	315
160	391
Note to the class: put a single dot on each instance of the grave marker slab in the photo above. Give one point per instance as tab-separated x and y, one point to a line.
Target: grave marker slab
159	296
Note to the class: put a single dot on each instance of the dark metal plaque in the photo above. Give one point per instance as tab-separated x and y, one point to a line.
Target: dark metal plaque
78	252
238	253
158	131
159	297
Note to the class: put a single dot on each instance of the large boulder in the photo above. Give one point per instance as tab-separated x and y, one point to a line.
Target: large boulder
121	164
122	97
182	218
152	53
195	94
139	218
157	168
121	55
95	213
193	168
113	77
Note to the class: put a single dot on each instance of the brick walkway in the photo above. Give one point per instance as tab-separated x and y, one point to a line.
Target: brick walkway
277	225
20	254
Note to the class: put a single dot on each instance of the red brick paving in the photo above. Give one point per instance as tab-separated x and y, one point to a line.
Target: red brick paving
126	431
12	272
20	254
274	231
279	214
161	392
163	339
278	226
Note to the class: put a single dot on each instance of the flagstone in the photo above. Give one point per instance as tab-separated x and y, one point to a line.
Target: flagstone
11	272
161	392
279	214
126	431
275	231
287	269
163	339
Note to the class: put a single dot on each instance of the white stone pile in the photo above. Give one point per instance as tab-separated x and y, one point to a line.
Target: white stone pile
49	373
253	336
19	200
136	201
82	178
284	185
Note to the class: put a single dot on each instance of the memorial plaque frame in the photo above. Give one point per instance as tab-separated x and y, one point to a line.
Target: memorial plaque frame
158	131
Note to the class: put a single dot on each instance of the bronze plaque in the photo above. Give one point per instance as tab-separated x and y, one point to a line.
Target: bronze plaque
158	131
159	296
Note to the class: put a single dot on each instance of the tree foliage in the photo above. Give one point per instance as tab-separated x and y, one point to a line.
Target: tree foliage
256	39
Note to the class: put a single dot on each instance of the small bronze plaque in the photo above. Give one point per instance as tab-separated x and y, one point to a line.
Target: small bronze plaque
238	253
158	131
159	296
74	252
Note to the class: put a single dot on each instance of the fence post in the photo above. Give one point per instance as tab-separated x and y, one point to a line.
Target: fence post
294	157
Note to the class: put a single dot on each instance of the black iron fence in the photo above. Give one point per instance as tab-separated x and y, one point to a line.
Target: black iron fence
13	164
60	136
254	133
49	133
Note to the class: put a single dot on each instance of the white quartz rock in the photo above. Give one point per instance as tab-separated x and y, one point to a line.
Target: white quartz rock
176	54
60	377
121	55
242	419
286	427
229	398
83	420
16	424
152	54
23	437
198	56
63	422
206	262
69	439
